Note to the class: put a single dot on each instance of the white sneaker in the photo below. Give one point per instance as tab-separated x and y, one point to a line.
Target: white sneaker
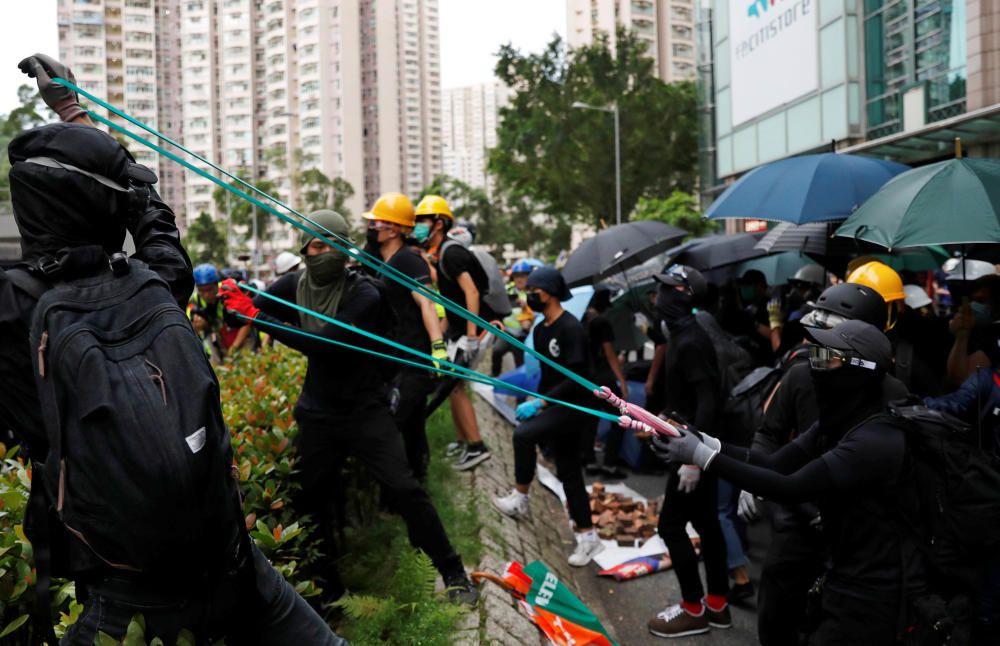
514	504
588	546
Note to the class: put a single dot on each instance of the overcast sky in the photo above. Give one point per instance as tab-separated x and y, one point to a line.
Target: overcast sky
471	33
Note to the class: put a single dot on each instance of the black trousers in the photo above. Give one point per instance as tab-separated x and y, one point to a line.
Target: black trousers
700	508
368	433
411	410
500	348
559	428
850	620
793	562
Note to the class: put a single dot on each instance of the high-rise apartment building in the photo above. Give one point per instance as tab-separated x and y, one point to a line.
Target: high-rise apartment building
470	117
112	48
168	94
666	26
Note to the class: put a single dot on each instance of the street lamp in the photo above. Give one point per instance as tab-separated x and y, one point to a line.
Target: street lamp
613	109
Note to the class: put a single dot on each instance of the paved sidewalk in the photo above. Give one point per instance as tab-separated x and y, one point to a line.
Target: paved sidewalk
624	608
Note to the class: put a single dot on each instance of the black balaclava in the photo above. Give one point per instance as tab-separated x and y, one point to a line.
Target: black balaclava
55	208
845	397
673	305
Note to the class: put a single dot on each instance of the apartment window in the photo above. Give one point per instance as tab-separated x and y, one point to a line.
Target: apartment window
683	51
311	122
309	68
310	142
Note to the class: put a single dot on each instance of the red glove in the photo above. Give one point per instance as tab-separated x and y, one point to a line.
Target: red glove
234	299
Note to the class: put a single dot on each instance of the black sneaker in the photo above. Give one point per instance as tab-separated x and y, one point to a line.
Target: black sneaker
460	588
471	458
741	593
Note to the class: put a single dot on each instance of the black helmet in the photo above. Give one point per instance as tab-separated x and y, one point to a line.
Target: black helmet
845	302
684	276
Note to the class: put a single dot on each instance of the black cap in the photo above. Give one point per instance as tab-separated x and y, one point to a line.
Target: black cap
683	276
550	281
862	340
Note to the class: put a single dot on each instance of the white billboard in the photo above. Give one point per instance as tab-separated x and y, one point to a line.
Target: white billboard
772	53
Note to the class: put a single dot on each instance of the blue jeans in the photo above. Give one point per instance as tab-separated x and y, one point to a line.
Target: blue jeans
264	610
732	524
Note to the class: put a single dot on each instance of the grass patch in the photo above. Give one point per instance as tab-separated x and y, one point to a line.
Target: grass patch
392	596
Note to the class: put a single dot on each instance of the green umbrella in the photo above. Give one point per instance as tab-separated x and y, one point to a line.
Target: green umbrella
951	202
929	258
777	268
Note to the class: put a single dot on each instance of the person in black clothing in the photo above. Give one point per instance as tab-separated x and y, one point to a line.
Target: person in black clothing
61	212
417	326
342	410
797	550
693	390
604	364
461	280
856	470
560	337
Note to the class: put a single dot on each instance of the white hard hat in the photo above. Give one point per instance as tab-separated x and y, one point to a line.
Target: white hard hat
285	262
916	296
812	273
970	270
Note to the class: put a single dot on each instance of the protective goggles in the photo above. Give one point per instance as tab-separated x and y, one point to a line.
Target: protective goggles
822	358
678	273
380	225
822	319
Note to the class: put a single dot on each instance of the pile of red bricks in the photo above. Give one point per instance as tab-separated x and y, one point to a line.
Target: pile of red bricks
618	517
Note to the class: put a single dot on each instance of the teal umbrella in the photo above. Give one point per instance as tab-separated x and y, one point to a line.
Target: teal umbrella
951	202
777	268
929	258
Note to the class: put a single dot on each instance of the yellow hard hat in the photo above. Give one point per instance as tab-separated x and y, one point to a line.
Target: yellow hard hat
434	205
880	277
392	207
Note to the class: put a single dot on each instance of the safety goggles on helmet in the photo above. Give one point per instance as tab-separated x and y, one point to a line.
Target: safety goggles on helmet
381	225
822	319
822	358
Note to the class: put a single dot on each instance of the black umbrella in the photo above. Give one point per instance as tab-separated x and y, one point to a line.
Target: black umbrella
615	249
716	251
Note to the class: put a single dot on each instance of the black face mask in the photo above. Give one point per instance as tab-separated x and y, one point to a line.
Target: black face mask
672	305
371	235
844	397
535	302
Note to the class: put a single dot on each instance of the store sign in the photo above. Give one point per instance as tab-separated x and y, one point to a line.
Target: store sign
754	226
773	54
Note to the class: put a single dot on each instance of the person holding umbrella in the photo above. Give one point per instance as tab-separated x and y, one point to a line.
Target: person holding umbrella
561	338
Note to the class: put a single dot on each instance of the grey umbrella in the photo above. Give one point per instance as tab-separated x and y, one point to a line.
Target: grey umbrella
615	249
813	238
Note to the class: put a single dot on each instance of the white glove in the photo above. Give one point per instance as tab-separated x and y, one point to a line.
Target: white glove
689	477
747	507
469	345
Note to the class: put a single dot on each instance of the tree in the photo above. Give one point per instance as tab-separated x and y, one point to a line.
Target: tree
241	212
680	210
563	158
317	191
27	115
206	240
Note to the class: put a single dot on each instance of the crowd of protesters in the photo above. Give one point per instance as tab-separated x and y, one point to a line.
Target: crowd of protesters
817	453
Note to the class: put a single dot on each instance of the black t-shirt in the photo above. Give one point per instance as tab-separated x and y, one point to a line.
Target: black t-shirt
599	332
409	329
455	261
564	342
690	359
869	470
338	380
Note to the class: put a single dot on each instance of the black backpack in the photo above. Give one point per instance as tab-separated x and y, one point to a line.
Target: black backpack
139	465
743	409
958	487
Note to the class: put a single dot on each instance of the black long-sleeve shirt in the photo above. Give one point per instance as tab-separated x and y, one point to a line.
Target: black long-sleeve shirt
691	376
337	379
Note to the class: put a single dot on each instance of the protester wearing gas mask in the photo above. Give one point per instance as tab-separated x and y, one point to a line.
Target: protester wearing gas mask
692	385
853	466
343	410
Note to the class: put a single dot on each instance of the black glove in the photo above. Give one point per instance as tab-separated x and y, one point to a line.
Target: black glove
60	98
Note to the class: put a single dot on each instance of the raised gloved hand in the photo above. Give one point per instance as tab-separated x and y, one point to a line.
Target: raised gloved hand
60	98
686	448
690	475
439	350
234	299
469	345
527	410
747	507
775	315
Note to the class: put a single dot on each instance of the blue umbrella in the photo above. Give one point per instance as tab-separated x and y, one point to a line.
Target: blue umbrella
810	188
